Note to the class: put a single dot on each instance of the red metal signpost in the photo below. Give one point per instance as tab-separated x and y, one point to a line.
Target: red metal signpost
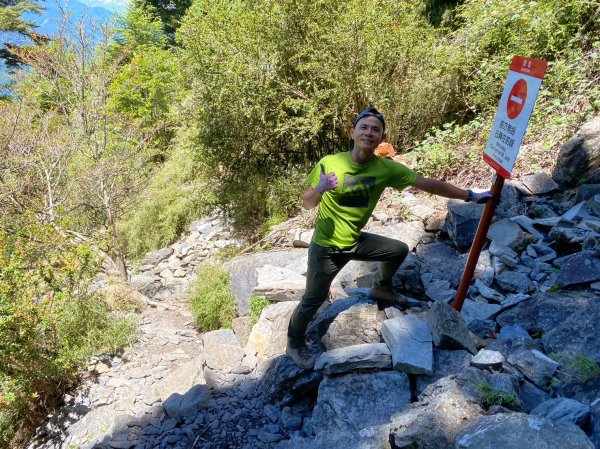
518	98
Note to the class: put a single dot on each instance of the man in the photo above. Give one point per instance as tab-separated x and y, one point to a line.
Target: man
346	187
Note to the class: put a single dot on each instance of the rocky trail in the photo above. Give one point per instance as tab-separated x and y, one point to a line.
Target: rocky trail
519	368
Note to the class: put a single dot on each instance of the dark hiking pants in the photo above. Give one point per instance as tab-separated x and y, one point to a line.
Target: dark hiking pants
323	265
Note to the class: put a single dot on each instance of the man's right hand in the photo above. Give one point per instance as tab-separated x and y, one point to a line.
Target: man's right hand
327	181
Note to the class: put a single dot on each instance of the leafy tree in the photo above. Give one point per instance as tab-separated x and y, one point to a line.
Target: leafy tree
170	12
11	20
148	83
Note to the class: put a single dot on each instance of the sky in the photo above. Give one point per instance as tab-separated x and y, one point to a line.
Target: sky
49	19
112	5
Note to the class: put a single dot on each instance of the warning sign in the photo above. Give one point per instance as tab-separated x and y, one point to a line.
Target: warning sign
518	98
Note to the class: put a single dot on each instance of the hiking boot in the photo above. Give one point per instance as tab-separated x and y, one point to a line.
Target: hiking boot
301	356
388	298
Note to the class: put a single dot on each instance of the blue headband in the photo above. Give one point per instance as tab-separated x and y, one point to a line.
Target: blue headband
370	112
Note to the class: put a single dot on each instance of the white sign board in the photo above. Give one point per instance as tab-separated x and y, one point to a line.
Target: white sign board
518	98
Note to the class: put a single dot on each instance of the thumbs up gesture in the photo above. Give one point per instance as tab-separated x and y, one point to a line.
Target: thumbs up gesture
327	181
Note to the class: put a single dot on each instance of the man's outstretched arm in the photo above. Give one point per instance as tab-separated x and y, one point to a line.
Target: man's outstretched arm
441	188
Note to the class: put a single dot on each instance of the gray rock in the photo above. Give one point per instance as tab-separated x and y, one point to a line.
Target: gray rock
354	401
577	212
539	183
359	324
579	157
449	329
587	191
462	221
409	232
564	410
279	284
439	290
520	431
374	437
512	300
355	270
488	292
446	363
289	420
156	257
577	334
473	311
537	367
222	350
483	328
596	424
408	276
509	201
243	275
514	281
181	379
409	341
541	252
568	237
513	333
527	224
319	326
433	422
488	359
272	413
593	205
441	262
341	360
578	269
268	337
285	381
506	232
143	283
531	396
546	311
194	400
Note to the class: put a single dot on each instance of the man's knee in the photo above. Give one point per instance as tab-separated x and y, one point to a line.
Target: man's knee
400	250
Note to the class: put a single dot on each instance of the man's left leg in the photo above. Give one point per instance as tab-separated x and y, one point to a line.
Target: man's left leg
390	253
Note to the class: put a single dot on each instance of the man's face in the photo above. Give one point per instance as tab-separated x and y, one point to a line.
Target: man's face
367	133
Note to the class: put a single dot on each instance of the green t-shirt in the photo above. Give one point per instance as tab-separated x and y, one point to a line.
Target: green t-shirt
345	210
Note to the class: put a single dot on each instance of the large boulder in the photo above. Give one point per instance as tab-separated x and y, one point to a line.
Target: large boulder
268	337
279	284
546	311
520	431
442	411
579	157
359	324
577	334
243	274
358	401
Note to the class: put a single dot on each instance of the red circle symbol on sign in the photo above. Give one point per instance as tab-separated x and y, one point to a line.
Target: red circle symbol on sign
516	99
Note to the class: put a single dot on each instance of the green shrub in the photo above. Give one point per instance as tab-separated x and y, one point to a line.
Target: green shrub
257	304
49	325
213	305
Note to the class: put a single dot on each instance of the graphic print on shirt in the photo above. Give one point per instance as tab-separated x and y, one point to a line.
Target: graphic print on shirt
357	191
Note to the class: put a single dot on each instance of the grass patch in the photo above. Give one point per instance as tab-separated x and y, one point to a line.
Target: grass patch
213	305
577	366
490	396
257	305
